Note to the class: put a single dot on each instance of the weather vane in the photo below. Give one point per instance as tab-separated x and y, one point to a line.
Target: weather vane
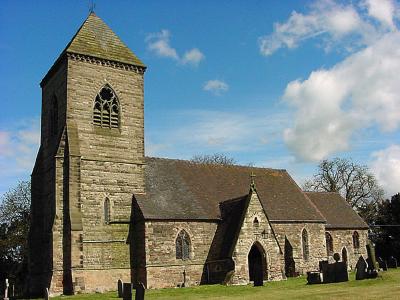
92	6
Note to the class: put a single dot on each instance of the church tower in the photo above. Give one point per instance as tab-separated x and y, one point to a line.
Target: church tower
90	163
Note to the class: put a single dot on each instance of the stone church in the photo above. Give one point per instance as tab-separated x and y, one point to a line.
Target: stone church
103	211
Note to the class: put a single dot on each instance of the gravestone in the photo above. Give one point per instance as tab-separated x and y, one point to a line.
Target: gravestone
371	260
140	289
361	269
6	290
46	294
340	272
127	291
392	262
120	288
382	264
313	277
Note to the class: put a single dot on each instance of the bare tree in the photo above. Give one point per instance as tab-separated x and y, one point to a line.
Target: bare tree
354	182
213	159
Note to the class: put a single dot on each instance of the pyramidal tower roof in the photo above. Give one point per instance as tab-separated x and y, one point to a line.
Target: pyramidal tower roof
95	38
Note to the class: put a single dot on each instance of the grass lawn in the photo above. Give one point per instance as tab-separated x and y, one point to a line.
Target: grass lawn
386	286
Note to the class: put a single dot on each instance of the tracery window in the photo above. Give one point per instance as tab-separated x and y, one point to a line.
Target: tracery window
182	244
106	108
304	242
107	212
356	241
329	244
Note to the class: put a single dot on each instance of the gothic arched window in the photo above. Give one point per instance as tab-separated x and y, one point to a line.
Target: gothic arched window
106	108
182	244
329	244
304	242
356	241
107	211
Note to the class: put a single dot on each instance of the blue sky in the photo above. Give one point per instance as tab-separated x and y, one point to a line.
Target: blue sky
280	84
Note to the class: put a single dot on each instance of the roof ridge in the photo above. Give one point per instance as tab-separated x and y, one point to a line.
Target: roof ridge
211	164
322	192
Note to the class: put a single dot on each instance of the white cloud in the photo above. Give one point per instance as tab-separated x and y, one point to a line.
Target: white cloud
18	148
386	166
193	57
216	86
382	10
361	91
337	24
159	43
216	131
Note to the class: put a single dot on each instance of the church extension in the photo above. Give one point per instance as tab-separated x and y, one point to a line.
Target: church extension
103	211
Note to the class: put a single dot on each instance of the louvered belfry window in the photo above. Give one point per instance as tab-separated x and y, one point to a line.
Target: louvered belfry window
182	244
106	108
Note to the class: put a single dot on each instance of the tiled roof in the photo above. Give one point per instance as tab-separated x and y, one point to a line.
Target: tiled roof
177	189
96	39
336	210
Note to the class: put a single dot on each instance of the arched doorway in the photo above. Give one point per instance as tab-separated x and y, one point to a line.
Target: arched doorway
290	265
257	264
344	255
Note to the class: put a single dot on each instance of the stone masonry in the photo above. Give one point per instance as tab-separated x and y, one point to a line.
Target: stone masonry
102	211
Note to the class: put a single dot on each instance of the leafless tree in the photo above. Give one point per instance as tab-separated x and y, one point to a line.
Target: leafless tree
354	182
214	159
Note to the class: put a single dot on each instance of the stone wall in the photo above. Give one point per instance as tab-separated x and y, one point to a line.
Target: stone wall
316	239
343	238
45	249
163	269
262	235
77	169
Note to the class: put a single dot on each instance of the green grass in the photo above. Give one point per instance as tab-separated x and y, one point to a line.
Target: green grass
386	286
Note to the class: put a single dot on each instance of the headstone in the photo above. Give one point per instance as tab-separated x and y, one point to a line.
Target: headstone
6	290
46	294
140	289
127	291
382	264
361	269
372	264
340	271
120	288
392	262
314	277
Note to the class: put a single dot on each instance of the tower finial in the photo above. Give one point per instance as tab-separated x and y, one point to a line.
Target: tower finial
92	6
252	182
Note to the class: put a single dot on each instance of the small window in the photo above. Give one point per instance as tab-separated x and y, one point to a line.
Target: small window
304	240
356	242
54	116
106	108
329	244
107	214
256	223
182	244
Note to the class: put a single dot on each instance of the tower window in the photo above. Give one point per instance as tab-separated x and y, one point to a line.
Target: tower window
182	244
106	108
54	116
